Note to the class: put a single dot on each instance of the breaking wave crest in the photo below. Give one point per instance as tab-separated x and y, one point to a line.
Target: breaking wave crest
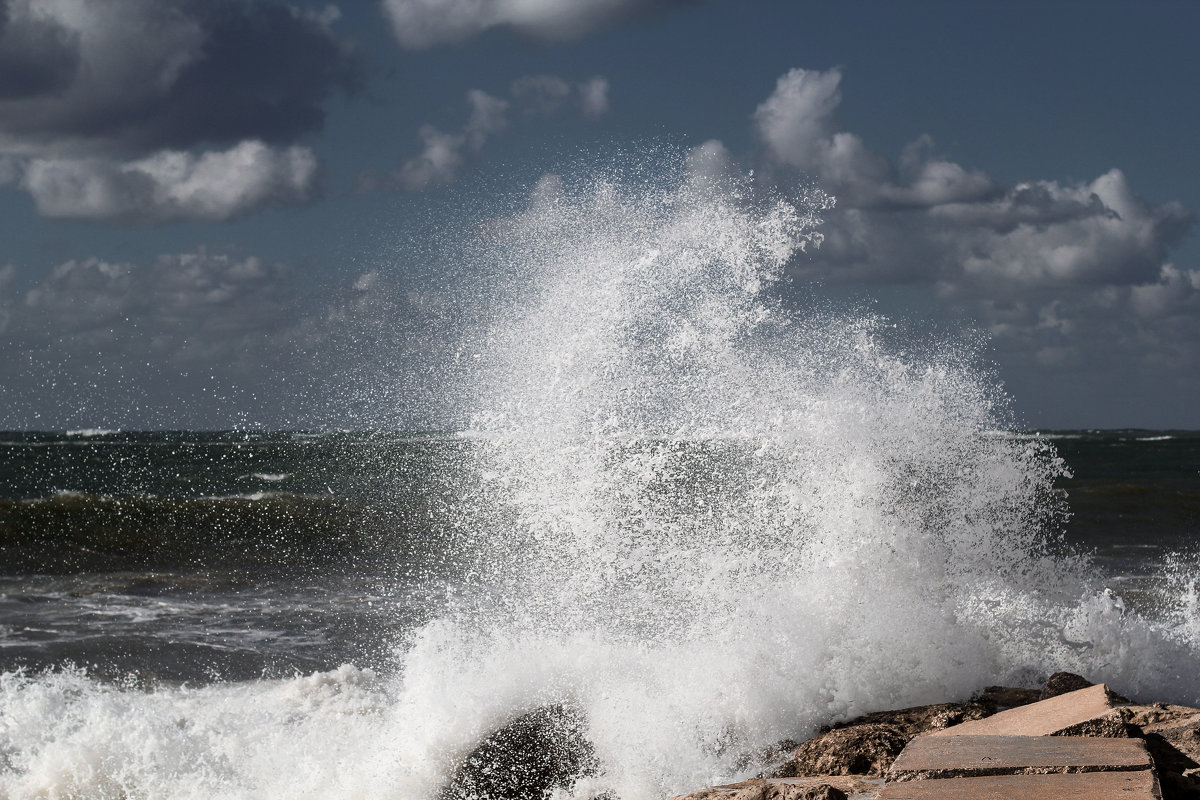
711	522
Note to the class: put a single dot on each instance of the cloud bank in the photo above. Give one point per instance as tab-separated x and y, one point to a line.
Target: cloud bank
172	185
1065	276
420	24
214	339
146	104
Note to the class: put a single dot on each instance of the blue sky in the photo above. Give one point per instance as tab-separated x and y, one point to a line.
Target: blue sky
213	212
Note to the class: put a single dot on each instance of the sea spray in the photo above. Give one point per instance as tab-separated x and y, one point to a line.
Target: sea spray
696	517
711	523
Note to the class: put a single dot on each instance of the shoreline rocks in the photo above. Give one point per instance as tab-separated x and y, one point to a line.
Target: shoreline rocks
1070	738
1046	736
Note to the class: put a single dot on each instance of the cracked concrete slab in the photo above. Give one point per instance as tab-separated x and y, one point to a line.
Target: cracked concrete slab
1066	713
1139	785
932	757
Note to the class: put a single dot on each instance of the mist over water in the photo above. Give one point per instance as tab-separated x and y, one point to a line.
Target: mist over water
703	520
712	524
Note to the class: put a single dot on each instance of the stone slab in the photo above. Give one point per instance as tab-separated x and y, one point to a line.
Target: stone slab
1140	785
965	756
1043	718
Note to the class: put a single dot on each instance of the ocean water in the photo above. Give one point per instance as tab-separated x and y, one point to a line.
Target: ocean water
695	516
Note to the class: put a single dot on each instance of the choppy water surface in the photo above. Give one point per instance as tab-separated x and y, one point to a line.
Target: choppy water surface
701	520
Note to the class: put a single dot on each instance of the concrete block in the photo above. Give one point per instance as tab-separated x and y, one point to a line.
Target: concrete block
1043	718
967	756
1140	785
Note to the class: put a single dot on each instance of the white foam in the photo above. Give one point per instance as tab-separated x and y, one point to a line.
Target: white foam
268	476
711	523
311	737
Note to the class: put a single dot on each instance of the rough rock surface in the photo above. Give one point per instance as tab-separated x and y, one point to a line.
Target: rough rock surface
921	719
525	759
867	745
1109	726
1063	682
1172	735
864	749
761	789
999	698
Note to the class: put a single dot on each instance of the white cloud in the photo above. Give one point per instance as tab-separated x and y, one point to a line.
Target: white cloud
1175	292
710	163
1065	276
1122	241
445	155
440	161
424	23
593	96
540	94
488	117
157	110
796	121
928	218
543	95
172	185
797	125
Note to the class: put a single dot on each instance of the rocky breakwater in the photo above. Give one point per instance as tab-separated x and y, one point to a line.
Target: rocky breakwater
1069	739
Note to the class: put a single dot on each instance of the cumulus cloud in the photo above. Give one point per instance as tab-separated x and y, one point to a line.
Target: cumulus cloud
797	125
593	96
926	218
130	76
87	301
444	155
1064	275
142	101
542	95
173	185
424	23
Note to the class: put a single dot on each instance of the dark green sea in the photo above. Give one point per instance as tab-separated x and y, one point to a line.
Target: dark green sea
195	556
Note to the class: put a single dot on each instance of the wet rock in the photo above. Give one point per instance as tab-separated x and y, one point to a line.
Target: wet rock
1000	698
921	719
1063	682
862	749
526	759
764	789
